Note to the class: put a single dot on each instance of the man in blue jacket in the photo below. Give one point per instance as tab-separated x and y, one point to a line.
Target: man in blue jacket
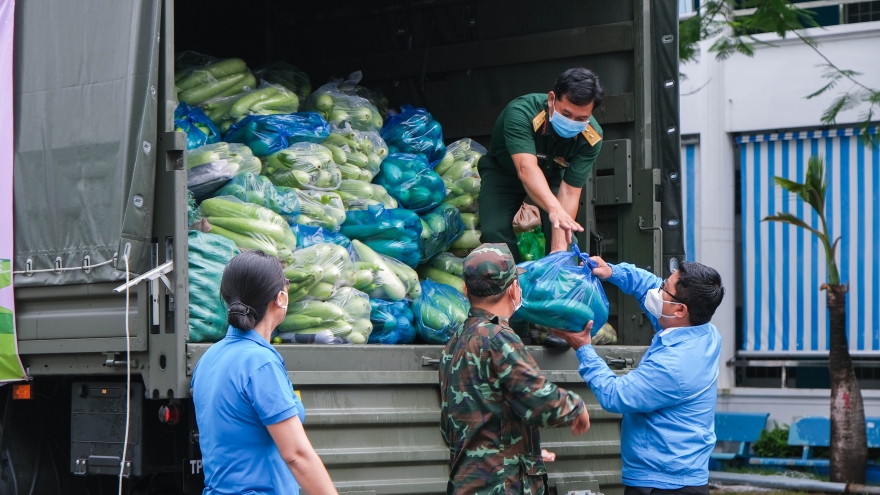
668	401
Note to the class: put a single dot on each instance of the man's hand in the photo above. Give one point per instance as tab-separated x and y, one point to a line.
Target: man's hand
582	423
547	455
602	270
561	220
576	339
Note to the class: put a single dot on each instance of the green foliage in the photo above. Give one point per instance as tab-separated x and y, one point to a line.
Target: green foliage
774	443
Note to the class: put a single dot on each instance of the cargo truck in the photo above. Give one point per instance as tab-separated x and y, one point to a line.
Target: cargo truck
100	175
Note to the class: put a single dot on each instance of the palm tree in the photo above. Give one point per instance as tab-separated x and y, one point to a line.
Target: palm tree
849	450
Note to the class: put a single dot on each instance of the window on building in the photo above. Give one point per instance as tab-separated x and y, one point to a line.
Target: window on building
862	12
688	6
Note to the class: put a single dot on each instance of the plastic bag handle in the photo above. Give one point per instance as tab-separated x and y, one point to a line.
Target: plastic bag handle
585	257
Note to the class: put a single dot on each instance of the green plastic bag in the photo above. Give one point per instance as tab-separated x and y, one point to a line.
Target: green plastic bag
208	256
532	245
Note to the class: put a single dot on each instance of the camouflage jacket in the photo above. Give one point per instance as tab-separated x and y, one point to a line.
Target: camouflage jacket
494	399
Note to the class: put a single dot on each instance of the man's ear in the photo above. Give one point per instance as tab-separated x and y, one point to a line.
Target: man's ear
682	311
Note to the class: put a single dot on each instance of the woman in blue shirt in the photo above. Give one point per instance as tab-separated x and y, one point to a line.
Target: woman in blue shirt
249	418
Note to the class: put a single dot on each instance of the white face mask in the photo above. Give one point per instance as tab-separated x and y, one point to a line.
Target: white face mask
287	297
654	303
516	305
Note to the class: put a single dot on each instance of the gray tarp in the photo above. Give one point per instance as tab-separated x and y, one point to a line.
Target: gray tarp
85	76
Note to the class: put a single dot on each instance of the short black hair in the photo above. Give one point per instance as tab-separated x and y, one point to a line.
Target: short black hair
480	291
581	86
700	288
250	281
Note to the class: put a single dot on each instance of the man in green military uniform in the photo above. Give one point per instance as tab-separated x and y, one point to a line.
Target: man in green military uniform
543	147
494	398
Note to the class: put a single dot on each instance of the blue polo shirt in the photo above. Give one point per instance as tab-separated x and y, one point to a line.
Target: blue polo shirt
240	386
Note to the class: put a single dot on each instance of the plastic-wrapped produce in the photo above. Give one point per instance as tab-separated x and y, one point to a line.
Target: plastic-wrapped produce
211	166
414	131
268	99
309	236
392	322
557	293
532	245
202	79
339	108
321	209
439	312
440	228
288	76
391	232
356	312
410	180
198	127
317	271
249	226
358	195
208	256
259	190
304	166
448	263
375	97
267	134
358	153
387	282
460	174
346	314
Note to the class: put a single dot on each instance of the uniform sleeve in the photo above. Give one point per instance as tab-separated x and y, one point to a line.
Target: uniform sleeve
534	398
635	282
518	131
649	387
582	164
270	392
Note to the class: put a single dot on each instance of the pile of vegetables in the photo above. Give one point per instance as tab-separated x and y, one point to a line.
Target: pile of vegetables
340	108
412	182
304	166
414	131
199	78
249	226
268	99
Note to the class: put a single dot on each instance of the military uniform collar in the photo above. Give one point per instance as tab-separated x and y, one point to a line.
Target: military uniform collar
487	315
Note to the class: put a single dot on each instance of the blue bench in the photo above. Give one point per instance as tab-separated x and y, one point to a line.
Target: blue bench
815	431
744	428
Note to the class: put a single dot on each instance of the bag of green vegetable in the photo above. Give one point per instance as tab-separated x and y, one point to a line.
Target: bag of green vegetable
440	228
439	312
321	209
339	108
257	189
532	245
356	310
410	180
415	131
267	134
467	242
358	195
316	272
198	127
427	272
392	232
249	226
288	76
211	166
304	166
351	87
346	314
387	282
465	154
309	236
392	322
267	99
358	153
208	256
216	79
557	293
448	263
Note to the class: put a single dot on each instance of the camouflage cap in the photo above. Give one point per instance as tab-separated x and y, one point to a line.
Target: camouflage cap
494	265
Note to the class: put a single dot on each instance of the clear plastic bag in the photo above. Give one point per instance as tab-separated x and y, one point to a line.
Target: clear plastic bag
392	322
360	153
317	271
448	263
415	131
267	99
439	312
461	160
532	245
288	76
557	293
386	282
198	127
257	189
410	180
267	134
356	308
375	97
339	108
208	256
237	155
201	78
358	195
309	236
440	228
249	226
304	166
392	232
321	209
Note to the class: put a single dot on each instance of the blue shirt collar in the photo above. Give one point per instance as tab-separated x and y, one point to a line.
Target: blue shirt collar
685	333
249	335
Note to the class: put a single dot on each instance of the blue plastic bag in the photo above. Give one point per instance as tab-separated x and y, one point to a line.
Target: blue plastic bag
415	131
440	228
393	232
392	322
198	127
439	312
557	293
267	134
410	180
307	235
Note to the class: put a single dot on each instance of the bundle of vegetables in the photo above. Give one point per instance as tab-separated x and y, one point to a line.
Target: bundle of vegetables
470	238
257	189
439	312
340	108
440	228
211	166
208	256
557	293
288	76
309	236
358	153
249	226
198	127
460	174
391	279
358	195
217	79
320	209
267	134
268	99
345	315
392	232
304	166
445	268
412	182
532	244
392	322
414	131
316	272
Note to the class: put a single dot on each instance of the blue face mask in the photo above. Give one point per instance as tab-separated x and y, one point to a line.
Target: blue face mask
564	126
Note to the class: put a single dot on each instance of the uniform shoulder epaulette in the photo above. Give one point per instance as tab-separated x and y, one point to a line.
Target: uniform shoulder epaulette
539	119
591	135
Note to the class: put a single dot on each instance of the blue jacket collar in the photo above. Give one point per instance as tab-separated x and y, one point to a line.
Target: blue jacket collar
249	335
685	333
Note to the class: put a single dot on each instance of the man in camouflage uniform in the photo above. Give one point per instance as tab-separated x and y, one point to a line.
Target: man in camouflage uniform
494	396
